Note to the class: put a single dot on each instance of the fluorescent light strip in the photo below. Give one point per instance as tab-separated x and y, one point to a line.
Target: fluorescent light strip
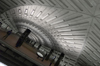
51	19
19	12
39	14
32	12
62	26
2	64
64	44
58	22
26	11
66	34
70	42
45	16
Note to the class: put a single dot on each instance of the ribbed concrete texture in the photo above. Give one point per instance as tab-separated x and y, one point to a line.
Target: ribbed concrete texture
68	26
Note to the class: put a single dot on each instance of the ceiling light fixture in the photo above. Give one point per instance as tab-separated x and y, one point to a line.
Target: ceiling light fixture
2	64
32	12
39	14
51	19
57	22
19	12
45	16
26	11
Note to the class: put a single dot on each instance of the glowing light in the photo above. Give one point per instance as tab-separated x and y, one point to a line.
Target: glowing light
32	12
45	16
26	11
58	22
19	12
39	14
51	19
2	64
64	44
70	42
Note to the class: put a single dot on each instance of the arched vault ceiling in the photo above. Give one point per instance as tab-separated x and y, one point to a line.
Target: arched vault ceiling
68	28
74	25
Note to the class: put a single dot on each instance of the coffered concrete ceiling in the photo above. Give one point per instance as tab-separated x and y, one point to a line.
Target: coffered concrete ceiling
69	26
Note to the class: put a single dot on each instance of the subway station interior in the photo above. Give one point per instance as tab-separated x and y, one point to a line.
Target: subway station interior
50	32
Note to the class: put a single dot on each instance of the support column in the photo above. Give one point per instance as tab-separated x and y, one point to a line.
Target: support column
59	59
22	38
49	54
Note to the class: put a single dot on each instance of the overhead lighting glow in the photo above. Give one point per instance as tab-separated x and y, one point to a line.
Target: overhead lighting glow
2	64
66	34
39	14
64	44
19	12
26	11
58	22
70	42
51	19
45	16
32	12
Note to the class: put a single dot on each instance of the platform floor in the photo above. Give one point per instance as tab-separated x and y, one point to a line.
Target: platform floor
26	49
